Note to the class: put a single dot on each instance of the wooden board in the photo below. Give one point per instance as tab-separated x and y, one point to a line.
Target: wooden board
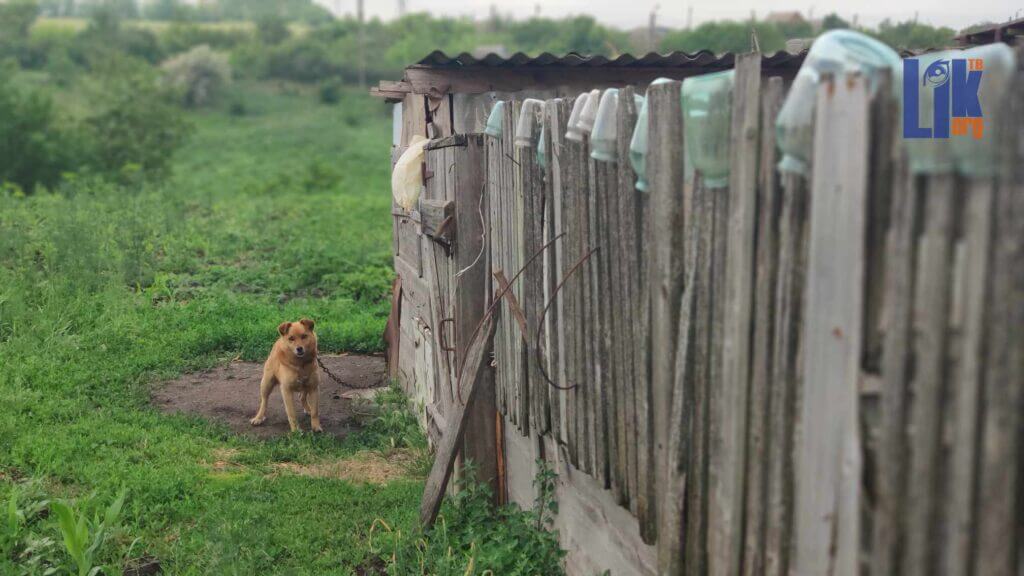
729	406
665	177
470	280
625	273
762	347
827	513
458	422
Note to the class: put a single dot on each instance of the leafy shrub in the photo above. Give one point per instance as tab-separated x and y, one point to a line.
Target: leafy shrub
35	150
330	92
138	131
272	29
198	76
16	19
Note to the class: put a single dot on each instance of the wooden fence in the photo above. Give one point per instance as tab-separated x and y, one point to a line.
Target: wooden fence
792	374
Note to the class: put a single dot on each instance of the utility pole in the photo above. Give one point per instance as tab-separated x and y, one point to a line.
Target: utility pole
689	17
652	30
360	16
401	8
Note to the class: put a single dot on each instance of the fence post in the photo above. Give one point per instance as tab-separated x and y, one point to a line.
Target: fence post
480	443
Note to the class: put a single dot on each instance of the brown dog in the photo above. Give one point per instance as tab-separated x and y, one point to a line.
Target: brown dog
292	364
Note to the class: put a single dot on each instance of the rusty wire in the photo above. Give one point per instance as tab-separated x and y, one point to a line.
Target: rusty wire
540	325
490	312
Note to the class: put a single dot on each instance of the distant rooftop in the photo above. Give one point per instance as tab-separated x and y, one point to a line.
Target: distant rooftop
1011	32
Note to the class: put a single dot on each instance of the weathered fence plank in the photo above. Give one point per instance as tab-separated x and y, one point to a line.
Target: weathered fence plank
829	456
562	160
729	405
603	177
763	331
531	182
626	276
1000	517
786	374
696	386
930	321
451	441
666	283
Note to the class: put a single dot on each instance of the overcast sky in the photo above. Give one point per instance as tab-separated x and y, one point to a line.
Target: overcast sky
633	13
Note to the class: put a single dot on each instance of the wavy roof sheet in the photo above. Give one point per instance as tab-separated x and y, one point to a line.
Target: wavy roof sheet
703	58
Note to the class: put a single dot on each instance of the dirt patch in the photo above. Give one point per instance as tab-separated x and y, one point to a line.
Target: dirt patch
369	467
230	394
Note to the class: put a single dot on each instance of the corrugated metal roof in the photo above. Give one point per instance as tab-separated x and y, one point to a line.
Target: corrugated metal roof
704	58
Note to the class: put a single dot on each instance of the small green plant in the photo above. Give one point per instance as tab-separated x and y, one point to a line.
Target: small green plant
83	538
14	519
472	537
545	505
394	426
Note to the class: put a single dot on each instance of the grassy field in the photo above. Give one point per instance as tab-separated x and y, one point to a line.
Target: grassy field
104	291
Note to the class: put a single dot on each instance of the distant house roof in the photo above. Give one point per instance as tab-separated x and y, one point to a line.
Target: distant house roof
785	17
439	74
1010	32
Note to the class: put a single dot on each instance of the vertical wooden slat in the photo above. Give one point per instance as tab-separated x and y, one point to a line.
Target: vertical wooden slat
1000	509
965	385
764	328
695	388
555	120
516	210
563	158
729	412
625	276
602	176
829	457
666	282
890	484
532	191
786	374
470	296
575	288
930	320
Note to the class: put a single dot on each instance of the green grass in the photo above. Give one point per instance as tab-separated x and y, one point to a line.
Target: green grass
274	215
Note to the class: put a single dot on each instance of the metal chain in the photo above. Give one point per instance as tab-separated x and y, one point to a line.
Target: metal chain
346	384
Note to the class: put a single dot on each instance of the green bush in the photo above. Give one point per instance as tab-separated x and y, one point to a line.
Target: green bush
135	134
198	76
35	147
272	29
331	91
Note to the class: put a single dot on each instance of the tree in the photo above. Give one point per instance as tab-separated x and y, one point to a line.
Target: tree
833	22
16	19
725	36
272	29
